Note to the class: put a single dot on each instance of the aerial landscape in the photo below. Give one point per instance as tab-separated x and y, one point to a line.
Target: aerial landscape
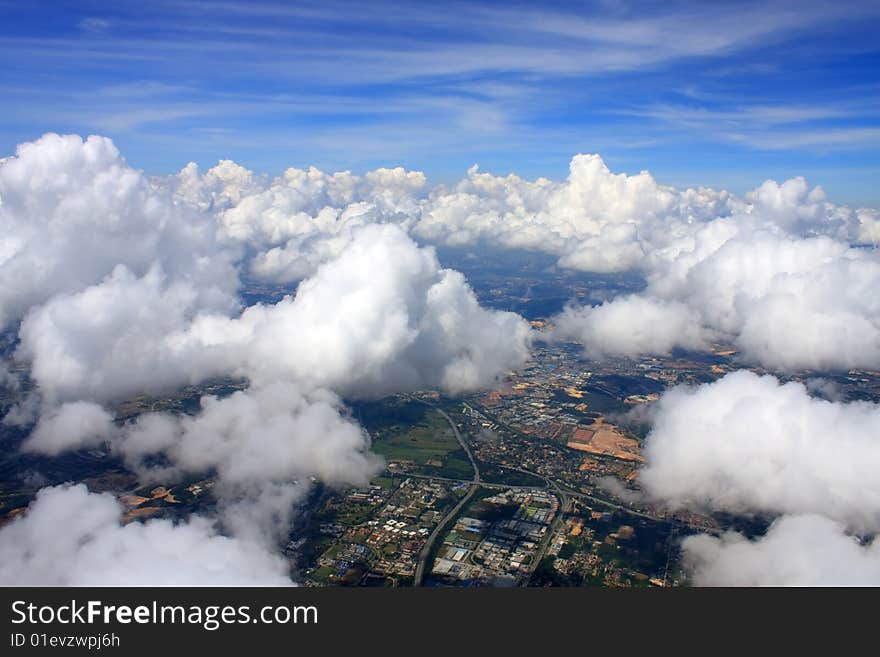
499	295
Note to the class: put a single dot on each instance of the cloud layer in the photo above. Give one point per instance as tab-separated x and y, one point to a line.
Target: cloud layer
750	444
121	285
156	308
70	537
274	433
717	266
72	210
802	550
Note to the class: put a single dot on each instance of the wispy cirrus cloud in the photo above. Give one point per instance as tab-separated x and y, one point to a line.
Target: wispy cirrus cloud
496	80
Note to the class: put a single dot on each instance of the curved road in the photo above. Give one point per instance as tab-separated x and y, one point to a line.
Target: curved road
464	446
475	483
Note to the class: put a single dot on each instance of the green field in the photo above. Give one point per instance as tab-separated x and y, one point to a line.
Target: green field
423	436
455	466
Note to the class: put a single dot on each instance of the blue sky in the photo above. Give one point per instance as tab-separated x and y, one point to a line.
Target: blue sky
721	94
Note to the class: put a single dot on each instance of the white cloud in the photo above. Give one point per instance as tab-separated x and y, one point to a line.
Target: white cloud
222	186
133	293
383	317
72	425
779	257
262	445
803	550
732	266
596	220
631	326
795	207
317	240
869	226
747	443
301	219
787	302
70	537
114	339
151	322
71	211
276	433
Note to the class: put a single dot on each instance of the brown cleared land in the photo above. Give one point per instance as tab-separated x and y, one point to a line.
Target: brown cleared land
131	501
605	440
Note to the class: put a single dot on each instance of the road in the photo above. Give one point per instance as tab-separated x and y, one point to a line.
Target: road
483	484
567	495
464	445
565	498
441	526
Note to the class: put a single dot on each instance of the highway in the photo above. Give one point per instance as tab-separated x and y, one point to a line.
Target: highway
483	484
441	526
464	445
565	498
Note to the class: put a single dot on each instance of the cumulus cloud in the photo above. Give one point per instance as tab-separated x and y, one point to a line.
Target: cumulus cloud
780	256
802	550
383	317
748	443
321	239
277	433
71	537
261	445
72	210
134	292
778	272
114	339
869	226
144	311
596	220
632	325
788	303
220	187
70	426
301	219
800	210
601	221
